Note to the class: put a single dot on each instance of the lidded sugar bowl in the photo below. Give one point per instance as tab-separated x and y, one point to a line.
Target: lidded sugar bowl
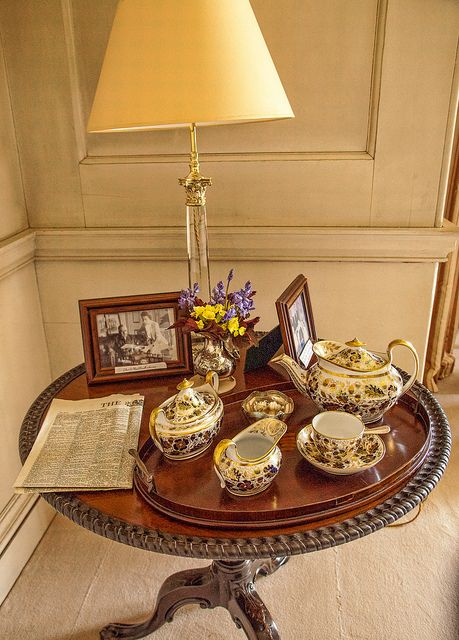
184	425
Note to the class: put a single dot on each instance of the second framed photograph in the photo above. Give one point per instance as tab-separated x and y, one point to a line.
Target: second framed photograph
129	337
296	321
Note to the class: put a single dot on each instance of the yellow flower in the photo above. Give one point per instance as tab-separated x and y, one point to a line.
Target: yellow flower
242	330
219	308
200	324
209	312
197	311
233	326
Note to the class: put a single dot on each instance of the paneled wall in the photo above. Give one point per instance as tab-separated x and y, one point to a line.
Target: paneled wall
369	80
349	192
24	367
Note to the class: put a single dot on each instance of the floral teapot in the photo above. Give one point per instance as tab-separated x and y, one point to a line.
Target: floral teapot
349	378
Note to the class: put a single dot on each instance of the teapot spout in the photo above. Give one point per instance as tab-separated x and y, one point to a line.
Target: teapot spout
298	375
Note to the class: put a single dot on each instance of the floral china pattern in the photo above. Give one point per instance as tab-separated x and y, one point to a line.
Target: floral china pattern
183	446
351	355
357	360
188	407
370	451
247	471
368	398
249	479
184	425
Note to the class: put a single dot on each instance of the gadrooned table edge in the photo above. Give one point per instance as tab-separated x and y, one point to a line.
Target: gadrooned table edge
413	493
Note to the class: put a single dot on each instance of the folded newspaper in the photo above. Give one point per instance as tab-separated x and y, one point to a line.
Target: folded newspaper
83	445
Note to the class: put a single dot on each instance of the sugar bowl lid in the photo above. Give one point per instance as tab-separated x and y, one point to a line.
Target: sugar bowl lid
351	355
189	405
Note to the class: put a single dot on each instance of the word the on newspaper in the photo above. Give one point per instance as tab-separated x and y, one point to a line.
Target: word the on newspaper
83	446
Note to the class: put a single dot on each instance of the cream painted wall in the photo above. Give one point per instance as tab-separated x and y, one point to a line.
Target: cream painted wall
24	372
63	283
27	370
13	215
24	368
370	82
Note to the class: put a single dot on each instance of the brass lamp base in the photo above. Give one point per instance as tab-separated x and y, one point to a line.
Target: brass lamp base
197	238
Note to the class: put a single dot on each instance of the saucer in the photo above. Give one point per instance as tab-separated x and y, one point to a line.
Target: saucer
369	452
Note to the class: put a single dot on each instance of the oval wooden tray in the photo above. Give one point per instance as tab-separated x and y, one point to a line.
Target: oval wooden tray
189	490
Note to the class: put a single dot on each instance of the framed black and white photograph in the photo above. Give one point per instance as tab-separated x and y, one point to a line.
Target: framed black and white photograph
296	321
129	337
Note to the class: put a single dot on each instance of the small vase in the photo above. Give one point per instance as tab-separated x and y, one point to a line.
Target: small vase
217	354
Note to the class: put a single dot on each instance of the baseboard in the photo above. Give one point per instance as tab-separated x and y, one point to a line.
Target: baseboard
23	521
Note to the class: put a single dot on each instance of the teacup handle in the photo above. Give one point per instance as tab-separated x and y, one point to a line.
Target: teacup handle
408	345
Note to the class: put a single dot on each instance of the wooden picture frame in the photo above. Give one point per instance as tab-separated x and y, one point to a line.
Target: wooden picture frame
296	321
127	338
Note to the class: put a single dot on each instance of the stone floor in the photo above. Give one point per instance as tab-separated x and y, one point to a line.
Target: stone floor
399	583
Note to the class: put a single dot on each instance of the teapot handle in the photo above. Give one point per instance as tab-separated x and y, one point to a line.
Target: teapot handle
405	343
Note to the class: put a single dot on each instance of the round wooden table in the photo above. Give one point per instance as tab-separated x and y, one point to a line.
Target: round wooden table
240	552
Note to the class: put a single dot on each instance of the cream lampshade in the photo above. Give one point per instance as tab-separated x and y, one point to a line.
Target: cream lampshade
186	63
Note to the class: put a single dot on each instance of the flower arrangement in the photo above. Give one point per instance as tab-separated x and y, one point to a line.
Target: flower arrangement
226	314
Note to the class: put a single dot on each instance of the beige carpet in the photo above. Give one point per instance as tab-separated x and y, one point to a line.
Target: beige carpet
399	583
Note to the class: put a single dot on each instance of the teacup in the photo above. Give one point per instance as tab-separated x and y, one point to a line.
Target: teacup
337	434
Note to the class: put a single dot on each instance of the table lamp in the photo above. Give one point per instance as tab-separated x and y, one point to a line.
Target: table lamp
187	63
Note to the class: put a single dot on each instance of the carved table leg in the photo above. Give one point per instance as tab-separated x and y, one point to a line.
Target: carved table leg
268	566
227	584
242	600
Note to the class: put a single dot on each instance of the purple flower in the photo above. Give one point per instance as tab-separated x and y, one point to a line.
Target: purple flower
230	277
218	294
187	297
231	313
242	299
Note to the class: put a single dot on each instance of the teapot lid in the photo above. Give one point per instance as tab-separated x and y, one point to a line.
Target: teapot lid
189	405
351	355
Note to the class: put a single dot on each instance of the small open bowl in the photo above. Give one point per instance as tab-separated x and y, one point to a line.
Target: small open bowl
268	404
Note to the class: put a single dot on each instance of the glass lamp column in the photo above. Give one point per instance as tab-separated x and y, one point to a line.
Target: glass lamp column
196	222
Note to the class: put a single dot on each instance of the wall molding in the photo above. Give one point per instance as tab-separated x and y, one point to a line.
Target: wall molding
376	74
274	244
13	515
16	252
243	244
253	156
448	149
69	37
